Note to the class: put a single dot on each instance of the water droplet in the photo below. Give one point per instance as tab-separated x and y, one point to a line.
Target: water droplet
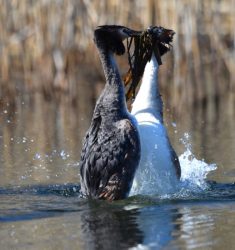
173	124
63	155
37	156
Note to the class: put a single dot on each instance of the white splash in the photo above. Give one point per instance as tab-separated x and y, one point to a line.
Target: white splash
193	175
193	171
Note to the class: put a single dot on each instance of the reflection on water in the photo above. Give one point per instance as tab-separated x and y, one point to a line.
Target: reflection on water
105	227
210	229
57	222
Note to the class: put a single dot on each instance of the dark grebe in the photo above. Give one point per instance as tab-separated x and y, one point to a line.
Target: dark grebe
111	148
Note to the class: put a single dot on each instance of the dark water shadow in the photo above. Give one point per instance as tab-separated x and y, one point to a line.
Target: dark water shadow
28	216
68	189
19	203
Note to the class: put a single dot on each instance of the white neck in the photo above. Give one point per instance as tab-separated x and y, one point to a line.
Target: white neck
148	98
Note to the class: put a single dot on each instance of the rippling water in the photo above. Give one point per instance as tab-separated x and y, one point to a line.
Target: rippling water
53	217
40	207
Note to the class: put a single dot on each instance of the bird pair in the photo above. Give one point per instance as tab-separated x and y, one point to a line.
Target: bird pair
119	146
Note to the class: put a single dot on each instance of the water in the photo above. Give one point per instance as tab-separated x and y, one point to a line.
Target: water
39	190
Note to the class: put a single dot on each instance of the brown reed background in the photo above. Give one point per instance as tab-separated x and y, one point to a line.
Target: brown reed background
46	46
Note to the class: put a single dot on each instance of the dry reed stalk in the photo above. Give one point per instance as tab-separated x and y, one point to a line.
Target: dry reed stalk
45	41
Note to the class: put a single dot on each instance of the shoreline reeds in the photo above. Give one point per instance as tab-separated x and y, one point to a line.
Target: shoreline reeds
46	46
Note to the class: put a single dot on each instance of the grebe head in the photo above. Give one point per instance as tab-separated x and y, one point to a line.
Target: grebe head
163	38
111	37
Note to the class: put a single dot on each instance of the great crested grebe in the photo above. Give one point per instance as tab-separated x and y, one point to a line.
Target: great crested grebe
111	148
159	169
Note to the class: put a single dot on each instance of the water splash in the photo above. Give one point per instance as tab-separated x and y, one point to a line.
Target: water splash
193	171
193	175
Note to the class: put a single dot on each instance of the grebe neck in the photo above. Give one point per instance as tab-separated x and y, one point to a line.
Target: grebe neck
113	96
148	98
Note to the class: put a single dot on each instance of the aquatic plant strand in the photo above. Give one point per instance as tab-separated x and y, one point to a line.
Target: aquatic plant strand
154	39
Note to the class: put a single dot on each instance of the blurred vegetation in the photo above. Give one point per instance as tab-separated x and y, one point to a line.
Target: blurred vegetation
46	46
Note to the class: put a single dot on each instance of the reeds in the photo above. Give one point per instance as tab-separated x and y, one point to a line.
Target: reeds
47	46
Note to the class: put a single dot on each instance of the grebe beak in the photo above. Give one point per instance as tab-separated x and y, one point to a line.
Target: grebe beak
132	33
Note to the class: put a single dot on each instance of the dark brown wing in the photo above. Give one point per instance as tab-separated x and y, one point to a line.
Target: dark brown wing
108	164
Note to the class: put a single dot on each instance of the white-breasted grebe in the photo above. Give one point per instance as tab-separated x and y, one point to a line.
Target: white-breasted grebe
111	148
159	169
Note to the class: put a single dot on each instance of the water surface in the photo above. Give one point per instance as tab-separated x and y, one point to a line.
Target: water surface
40	208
